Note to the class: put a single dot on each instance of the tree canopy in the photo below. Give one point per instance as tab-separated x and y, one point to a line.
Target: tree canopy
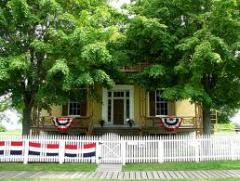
192	50
50	47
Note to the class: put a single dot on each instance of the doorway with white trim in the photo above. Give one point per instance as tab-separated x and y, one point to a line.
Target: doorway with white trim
118	105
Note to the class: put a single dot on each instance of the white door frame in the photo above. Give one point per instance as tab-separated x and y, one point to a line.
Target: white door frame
129	88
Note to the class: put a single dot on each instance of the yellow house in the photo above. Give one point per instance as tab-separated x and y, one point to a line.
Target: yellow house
120	106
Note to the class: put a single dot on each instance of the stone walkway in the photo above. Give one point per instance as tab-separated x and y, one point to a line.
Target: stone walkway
109	168
123	175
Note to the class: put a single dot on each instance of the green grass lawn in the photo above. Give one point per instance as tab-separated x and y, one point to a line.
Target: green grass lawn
12	133
230	127
48	167
214	165
223	179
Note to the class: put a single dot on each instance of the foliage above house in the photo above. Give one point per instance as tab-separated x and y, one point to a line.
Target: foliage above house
48	48
192	47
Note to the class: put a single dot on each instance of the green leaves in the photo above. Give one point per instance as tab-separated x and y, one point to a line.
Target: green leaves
100	77
19	64
4	76
155	71
96	54
59	70
20	9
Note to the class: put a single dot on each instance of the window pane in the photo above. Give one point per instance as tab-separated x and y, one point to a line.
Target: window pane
157	105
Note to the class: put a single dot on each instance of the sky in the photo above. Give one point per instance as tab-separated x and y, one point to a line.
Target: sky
119	3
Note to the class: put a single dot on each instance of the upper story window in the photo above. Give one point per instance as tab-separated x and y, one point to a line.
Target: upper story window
158	105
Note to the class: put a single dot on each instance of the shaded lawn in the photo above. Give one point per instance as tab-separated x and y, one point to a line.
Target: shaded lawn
211	165
86	167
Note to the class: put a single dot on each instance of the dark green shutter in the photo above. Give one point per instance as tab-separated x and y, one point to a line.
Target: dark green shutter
83	103
152	103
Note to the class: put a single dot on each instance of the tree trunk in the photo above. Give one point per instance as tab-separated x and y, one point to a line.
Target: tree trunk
206	121
26	122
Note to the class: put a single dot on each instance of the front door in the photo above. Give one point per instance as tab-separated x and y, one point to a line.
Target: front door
118	111
118	108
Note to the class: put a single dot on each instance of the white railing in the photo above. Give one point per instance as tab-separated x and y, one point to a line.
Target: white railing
113	148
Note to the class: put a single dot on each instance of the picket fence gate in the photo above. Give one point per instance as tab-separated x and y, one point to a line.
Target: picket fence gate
112	148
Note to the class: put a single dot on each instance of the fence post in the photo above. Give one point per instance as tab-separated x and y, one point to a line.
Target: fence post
123	146
197	150
160	151
98	151
26	149
61	151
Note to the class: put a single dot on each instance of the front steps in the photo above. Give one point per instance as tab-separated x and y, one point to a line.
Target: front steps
120	130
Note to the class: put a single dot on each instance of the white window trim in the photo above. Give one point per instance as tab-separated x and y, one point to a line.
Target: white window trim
159	102
156	115
129	88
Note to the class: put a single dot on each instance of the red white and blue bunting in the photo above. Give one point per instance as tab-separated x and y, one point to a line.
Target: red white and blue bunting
36	148
62	124
2	147
171	123
16	148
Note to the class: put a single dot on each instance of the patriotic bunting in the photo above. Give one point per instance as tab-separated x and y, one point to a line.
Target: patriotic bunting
89	150
52	149
34	148
62	124
71	150
2	144
171	123
16	148
37	149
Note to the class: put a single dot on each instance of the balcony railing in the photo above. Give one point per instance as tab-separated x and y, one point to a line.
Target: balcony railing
187	122
78	123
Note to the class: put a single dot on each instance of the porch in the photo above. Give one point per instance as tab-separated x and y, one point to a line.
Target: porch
151	126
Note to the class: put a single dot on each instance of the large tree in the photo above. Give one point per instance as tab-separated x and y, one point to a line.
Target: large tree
49	48
192	50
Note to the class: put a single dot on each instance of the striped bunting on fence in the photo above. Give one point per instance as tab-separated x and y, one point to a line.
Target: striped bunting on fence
88	150
71	150
34	148
52	149
2	144
16	148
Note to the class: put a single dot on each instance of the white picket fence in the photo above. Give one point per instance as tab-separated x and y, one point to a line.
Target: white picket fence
113	148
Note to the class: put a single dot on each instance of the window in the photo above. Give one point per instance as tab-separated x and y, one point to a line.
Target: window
76	106
157	105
